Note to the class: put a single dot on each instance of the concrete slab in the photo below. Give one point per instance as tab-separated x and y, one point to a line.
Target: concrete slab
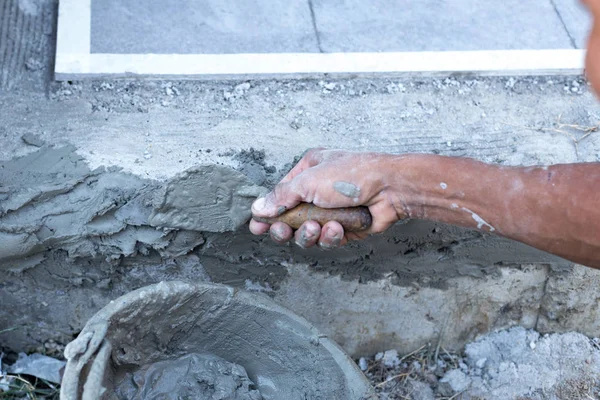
384	25
207	26
576	18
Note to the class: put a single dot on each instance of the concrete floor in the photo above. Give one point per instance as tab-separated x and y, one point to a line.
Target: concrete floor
258	26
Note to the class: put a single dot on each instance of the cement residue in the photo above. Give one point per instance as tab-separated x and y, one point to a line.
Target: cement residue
198	376
253	164
505	365
283	354
519	363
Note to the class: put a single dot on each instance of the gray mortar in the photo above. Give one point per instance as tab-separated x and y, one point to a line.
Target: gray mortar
283	354
203	376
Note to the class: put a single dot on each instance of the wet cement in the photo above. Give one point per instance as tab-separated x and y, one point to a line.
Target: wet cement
82	236
285	356
193	376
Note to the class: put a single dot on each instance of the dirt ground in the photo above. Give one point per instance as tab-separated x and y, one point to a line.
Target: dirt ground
514	364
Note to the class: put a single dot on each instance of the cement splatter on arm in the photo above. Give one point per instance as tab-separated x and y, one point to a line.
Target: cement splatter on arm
553	208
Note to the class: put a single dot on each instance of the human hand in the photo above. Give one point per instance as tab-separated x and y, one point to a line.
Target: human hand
331	179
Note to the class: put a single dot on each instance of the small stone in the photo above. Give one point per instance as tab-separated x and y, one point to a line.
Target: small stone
510	83
390	359
33	64
147	155
483	115
329	86
242	87
169	91
481	362
532	345
449	143
362	364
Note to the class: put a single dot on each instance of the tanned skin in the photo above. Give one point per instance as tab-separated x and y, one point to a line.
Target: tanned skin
553	208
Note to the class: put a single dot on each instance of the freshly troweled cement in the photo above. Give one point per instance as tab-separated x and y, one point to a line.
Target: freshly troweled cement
193	376
285	356
209	198
50	198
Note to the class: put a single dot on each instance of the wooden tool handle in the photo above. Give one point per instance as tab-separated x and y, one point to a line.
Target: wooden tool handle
353	219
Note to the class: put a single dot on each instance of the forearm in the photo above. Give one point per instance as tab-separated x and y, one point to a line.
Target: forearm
555	209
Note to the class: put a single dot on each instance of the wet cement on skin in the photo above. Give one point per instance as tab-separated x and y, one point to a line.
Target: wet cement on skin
347	189
200	376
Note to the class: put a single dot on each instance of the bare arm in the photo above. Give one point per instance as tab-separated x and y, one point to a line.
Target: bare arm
555	208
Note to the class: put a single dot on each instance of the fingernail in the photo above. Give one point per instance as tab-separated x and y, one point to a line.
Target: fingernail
305	236
276	235
334	240
259	204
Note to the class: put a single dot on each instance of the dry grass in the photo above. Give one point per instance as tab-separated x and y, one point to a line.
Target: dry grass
420	365
30	388
577	133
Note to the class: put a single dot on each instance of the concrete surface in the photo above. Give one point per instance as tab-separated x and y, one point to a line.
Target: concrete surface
209	26
27	43
384	25
333	26
576	18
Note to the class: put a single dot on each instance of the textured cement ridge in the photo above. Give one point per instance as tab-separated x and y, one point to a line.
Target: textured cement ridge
26	42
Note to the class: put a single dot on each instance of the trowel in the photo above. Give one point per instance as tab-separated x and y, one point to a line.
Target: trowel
216	198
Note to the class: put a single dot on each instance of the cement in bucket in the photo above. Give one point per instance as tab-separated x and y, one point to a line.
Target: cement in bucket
284	356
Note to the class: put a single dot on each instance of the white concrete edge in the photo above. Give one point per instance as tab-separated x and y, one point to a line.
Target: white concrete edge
494	62
73	36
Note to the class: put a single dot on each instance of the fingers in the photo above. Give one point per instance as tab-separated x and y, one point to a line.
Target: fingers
332	236
310	158
280	232
258	228
285	196
308	234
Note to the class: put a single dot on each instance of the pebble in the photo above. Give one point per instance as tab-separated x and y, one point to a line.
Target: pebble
242	87
532	345
362	364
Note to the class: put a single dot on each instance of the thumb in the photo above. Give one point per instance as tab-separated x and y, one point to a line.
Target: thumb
284	196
